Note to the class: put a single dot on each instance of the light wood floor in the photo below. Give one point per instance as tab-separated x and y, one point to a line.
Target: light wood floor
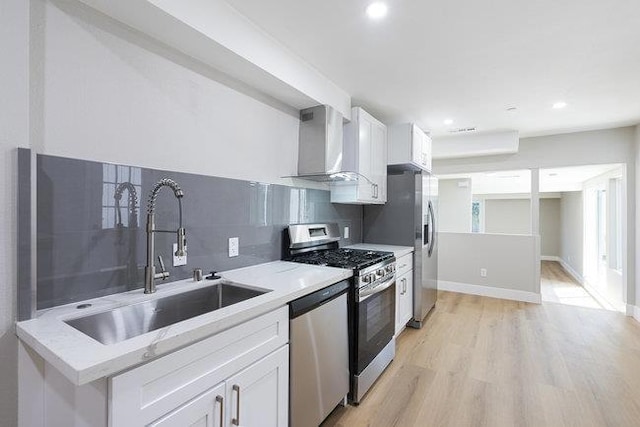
556	285
487	362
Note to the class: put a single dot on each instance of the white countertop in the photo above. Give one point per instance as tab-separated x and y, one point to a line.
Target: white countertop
82	359
398	251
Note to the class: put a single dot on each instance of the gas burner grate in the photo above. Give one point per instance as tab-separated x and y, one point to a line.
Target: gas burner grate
343	258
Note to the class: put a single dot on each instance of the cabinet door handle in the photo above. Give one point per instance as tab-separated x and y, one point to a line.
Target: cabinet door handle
236	421
220	400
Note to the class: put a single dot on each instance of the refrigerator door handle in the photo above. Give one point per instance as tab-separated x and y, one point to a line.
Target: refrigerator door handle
425	234
433	228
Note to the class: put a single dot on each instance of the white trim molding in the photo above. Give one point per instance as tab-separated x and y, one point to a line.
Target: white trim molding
550	258
571	271
490	291
633	311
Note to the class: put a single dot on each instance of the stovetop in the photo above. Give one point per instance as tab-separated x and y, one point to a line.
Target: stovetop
356	259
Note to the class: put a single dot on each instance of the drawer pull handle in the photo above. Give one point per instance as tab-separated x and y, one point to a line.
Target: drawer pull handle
220	400
402	266
236	420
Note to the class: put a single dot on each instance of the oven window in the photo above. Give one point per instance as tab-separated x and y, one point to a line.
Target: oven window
377	315
376	323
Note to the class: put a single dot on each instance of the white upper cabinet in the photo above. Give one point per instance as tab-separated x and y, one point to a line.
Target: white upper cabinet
409	146
364	152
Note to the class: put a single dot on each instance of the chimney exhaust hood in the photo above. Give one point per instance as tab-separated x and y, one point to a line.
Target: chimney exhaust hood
320	147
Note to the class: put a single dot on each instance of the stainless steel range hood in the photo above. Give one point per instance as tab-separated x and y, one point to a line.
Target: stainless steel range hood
320	148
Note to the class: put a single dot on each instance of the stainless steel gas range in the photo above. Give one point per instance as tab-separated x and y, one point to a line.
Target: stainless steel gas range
371	299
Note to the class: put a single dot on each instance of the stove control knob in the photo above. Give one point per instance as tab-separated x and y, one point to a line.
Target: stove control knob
366	279
390	268
380	272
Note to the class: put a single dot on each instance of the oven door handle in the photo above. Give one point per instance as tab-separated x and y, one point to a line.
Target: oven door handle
379	288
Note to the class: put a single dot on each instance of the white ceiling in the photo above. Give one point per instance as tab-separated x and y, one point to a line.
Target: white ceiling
553	180
469	60
572	178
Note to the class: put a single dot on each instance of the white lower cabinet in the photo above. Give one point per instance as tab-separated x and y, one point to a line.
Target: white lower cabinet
404	291
404	300
257	396
206	410
239	376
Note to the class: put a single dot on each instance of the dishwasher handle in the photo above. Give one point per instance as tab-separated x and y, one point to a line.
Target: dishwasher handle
309	302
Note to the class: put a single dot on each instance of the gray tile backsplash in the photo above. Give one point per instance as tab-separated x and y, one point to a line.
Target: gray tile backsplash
85	249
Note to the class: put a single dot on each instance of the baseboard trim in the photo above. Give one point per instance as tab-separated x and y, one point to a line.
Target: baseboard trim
490	291
550	258
633	311
571	271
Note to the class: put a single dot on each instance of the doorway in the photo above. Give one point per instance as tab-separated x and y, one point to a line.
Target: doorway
582	216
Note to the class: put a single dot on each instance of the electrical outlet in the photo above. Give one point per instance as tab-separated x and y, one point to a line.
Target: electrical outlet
179	260
483	272
346	232
234	246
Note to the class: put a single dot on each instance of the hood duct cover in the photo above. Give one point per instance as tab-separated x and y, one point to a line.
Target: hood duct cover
320	149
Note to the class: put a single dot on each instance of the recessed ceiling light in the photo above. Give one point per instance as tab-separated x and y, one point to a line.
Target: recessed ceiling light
559	104
377	10
448	122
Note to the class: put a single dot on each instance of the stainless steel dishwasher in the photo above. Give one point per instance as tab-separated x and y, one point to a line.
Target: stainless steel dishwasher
319	362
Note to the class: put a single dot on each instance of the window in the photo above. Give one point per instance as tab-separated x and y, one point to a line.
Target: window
113	176
476	217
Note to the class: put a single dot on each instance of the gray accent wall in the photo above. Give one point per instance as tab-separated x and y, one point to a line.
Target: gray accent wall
507	216
86	250
550	229
572	243
508	260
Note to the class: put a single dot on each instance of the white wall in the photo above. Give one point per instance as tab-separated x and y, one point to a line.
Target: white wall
454	205
507	258
550	226
77	84
635	213
507	216
572	234
113	95
14	132
572	149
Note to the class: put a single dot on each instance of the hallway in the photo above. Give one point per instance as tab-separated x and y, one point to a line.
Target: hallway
556	285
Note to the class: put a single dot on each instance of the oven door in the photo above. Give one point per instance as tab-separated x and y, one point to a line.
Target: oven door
375	315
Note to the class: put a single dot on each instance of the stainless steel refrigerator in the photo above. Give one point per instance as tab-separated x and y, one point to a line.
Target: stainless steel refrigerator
409	218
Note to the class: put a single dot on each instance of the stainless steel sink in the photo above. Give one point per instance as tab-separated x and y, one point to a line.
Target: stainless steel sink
122	323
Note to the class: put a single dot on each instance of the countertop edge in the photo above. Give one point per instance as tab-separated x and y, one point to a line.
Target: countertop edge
80	373
398	250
